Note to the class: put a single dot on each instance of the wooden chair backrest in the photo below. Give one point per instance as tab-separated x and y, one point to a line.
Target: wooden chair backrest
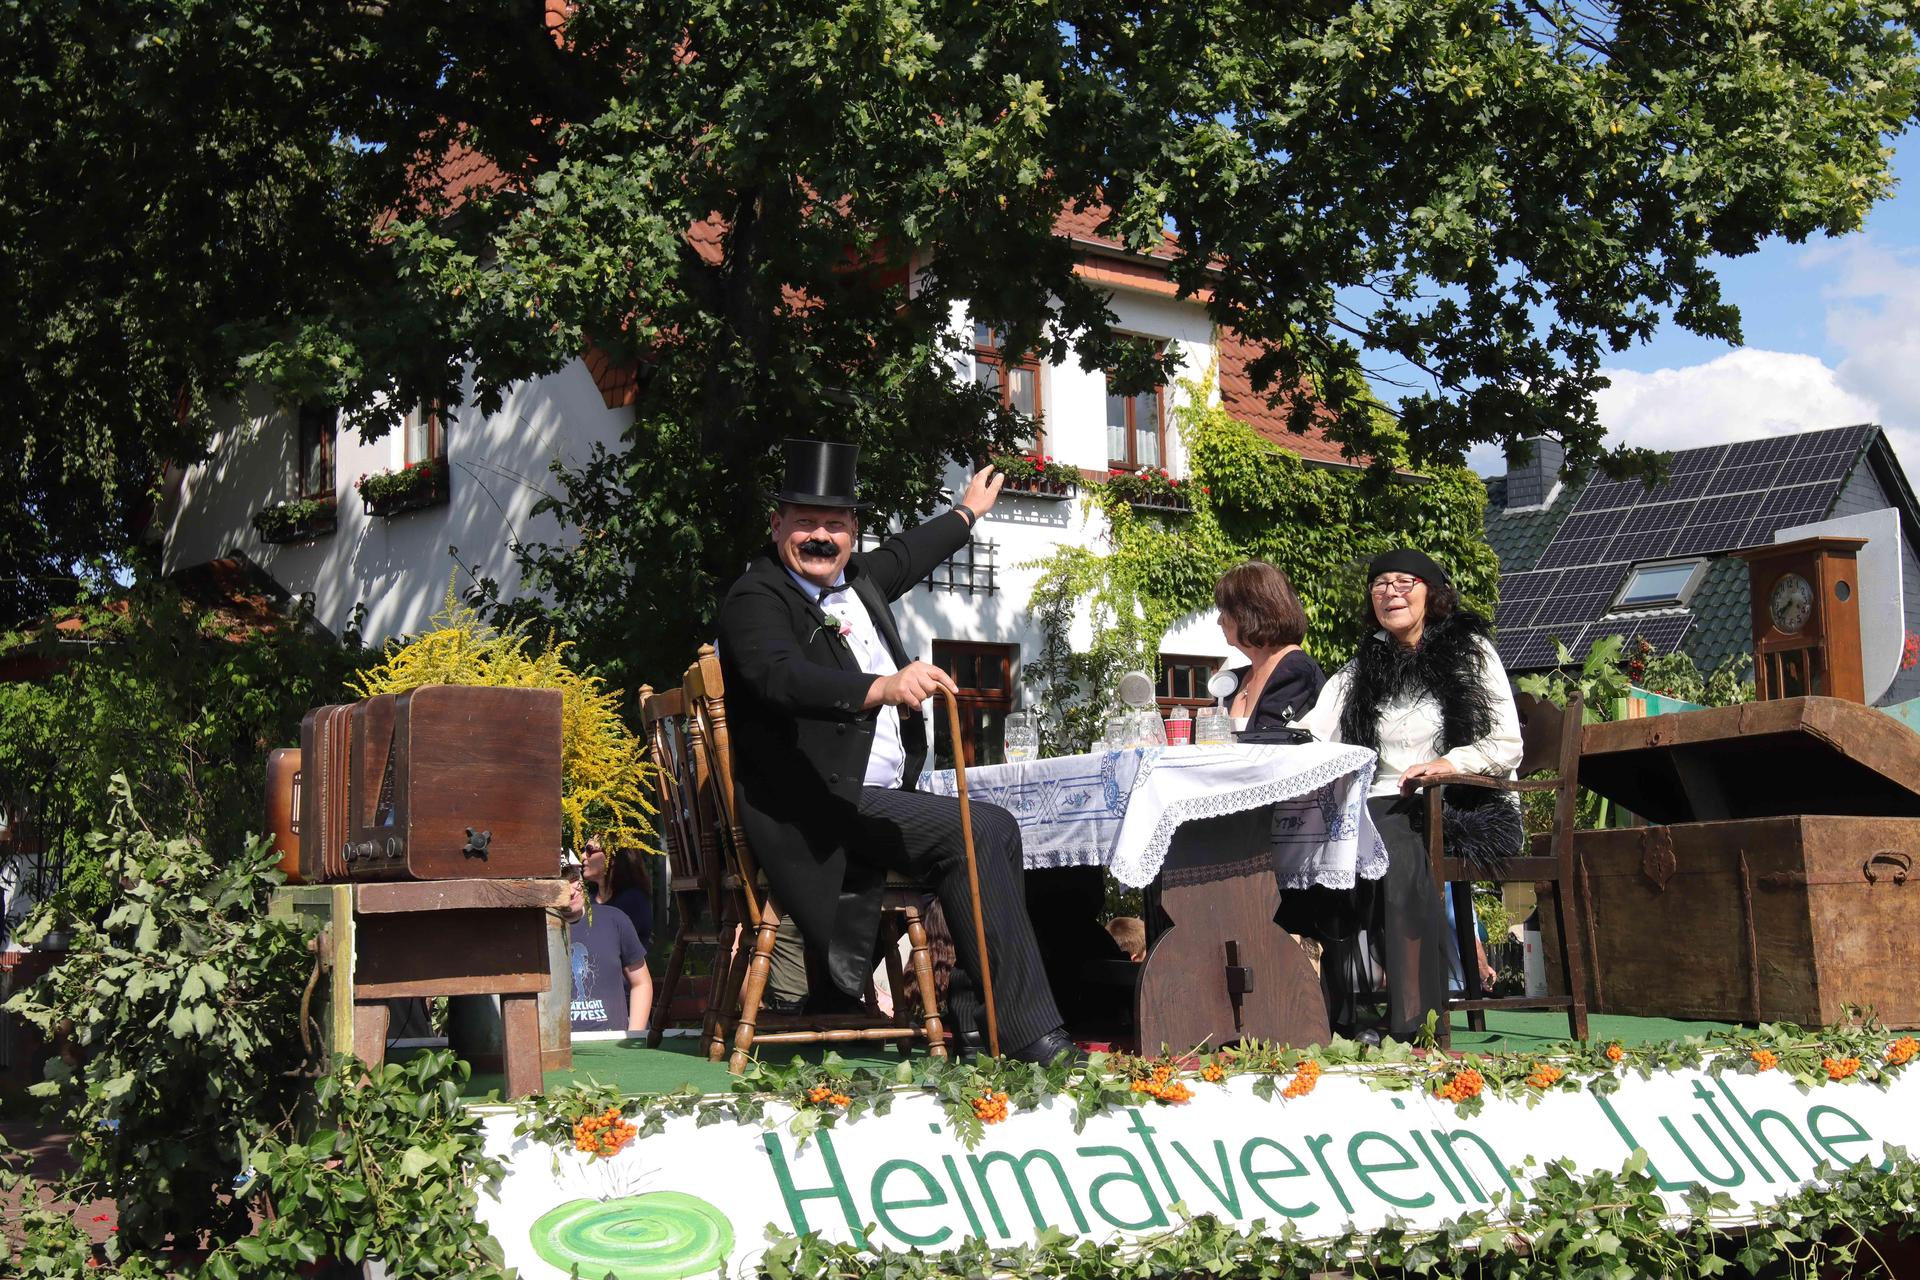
713	747
663	717
1550	743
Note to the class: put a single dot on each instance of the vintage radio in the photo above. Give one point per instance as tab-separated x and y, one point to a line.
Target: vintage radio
323	793
442	782
283	808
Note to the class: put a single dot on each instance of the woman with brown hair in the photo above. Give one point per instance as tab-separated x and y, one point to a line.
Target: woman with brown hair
617	880
1261	617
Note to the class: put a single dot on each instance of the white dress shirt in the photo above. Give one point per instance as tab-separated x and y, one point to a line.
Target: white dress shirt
887	762
1410	728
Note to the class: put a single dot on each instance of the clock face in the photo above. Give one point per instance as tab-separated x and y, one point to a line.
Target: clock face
1791	602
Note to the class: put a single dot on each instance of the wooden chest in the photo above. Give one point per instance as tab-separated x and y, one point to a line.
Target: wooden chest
1776	883
442	782
1754	920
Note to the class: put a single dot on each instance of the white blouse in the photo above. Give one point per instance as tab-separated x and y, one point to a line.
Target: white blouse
1410	728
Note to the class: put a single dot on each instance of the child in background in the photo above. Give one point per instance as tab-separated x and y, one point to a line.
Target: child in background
1130	932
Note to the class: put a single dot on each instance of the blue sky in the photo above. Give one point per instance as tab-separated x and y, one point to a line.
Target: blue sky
1832	331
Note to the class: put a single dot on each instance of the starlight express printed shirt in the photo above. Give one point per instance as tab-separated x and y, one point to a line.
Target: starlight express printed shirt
604	947
887	763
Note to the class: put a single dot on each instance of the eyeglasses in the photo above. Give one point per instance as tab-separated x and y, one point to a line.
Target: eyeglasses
1402	586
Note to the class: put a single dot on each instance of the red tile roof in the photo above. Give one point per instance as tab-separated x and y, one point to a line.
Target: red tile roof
1239	398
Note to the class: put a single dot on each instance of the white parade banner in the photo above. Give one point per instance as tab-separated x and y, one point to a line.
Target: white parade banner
693	1201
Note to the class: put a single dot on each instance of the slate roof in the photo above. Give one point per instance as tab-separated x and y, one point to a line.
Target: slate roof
1519	537
1563	566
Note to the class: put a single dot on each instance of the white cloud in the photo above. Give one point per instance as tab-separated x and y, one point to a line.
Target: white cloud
1873	320
1743	395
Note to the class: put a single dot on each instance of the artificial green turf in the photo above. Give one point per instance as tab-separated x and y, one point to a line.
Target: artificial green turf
632	1068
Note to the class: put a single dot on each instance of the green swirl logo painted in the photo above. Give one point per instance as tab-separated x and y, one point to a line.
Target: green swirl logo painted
662	1235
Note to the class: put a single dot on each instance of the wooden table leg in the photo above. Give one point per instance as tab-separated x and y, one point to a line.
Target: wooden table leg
1223	970
370	1031
520	1017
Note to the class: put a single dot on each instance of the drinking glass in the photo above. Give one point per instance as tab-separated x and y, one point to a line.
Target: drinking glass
1116	735
1021	737
1213	728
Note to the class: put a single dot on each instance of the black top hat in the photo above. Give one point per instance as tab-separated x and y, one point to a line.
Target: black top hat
819	474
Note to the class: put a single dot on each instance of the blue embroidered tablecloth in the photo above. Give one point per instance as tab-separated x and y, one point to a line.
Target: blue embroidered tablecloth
1119	809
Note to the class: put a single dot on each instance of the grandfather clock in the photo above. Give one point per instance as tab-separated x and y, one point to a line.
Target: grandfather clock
1806	618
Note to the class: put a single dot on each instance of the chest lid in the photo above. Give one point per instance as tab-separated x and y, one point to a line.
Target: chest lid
1756	760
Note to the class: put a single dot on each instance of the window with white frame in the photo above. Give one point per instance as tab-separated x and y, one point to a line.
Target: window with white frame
1136	426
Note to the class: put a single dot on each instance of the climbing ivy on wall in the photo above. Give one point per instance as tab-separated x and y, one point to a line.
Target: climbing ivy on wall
1251	500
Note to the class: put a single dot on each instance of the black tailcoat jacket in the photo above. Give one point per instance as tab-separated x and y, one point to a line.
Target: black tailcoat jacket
801	738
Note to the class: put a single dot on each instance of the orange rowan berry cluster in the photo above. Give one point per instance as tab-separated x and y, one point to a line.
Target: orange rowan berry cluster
1840	1068
603	1134
1765	1059
1902	1050
1162	1085
991	1107
1465	1084
1305	1077
1213	1073
1544	1074
1615	1053
824	1094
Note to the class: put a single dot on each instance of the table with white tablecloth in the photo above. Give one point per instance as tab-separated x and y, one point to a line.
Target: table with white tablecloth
1120	809
1162	817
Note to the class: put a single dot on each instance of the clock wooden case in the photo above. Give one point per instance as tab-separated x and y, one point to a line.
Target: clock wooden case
1806	618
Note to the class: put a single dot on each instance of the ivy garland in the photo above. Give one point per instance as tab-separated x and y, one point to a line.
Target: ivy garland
1250	500
985	1091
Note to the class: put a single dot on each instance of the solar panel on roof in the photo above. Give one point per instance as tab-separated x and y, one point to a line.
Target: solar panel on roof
1593	524
1570	611
1650	545
1825	466
1562	554
1705	458
1734	506
1594	580
1744	479
1705	539
1526	586
1659	515
1845	440
1610	493
1676	487
1515	613
1767	449
1527	650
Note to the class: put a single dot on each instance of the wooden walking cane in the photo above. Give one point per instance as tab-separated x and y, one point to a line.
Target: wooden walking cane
973	866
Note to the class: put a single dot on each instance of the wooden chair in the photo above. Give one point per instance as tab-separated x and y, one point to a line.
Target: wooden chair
742	1018
699	883
1550	738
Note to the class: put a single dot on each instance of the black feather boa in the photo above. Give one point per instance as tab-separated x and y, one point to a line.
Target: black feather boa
1450	666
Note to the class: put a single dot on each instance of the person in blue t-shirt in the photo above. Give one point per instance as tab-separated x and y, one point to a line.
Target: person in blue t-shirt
612	990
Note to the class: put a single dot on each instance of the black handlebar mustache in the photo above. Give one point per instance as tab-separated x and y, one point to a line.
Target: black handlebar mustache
819	547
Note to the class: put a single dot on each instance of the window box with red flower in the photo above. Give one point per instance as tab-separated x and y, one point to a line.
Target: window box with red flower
1149	489
416	485
1038	476
300	520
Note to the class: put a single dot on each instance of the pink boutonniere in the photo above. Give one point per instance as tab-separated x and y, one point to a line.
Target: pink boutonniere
836	626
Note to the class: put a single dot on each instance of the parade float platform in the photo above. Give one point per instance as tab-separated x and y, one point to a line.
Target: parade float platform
632	1068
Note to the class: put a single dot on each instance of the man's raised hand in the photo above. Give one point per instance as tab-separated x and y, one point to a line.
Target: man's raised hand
983	490
908	687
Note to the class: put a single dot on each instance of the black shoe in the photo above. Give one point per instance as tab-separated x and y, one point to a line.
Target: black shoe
1049	1047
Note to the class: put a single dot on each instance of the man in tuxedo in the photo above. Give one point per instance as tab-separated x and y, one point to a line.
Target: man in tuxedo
829	741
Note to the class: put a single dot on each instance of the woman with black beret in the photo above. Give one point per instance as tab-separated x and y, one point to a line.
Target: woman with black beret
1427	692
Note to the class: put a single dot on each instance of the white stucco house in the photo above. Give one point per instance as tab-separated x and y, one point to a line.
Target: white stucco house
972	616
